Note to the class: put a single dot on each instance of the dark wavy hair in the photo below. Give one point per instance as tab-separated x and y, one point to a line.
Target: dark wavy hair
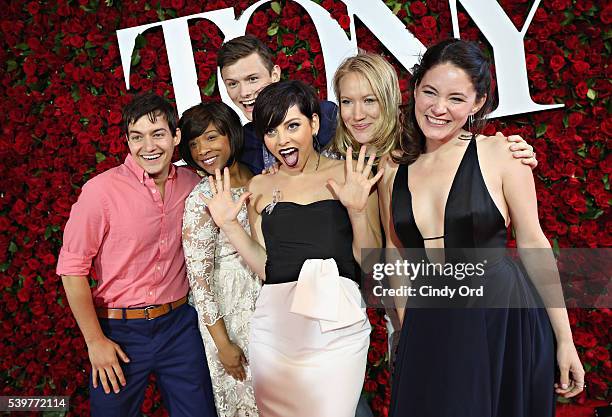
273	102
193	123
469	57
151	105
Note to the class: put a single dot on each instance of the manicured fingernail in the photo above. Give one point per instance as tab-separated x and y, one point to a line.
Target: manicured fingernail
564	386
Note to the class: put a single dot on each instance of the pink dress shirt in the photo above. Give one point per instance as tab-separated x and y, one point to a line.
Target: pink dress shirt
131	234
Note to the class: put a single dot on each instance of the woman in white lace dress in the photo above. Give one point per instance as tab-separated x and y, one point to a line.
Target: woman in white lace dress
223	288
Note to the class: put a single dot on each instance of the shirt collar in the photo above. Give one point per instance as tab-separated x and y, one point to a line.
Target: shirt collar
140	173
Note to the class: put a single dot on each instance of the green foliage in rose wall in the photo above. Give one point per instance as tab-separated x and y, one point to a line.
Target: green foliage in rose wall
62	90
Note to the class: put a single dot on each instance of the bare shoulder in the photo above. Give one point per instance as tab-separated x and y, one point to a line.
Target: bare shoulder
256	183
494	153
495	147
259	186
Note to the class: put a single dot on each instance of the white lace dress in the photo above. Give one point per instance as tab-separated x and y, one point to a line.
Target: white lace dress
222	286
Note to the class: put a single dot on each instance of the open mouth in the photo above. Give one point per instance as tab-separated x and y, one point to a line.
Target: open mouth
248	104
437	122
290	156
150	157
209	161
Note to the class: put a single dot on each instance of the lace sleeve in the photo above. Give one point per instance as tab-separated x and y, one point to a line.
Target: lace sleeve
200	235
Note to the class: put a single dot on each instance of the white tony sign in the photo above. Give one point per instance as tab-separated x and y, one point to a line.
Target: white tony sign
496	26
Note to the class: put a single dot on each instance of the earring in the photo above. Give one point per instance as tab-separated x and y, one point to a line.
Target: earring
470	122
315	142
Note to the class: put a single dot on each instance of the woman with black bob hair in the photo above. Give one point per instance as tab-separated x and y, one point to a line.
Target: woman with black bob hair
223	288
309	335
195	122
453	189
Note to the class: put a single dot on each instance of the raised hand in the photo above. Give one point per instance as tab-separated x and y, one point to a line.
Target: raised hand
353	194
222	207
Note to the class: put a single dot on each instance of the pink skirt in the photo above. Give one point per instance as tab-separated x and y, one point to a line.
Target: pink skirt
300	367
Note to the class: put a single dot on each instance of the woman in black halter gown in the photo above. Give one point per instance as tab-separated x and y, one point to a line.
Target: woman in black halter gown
455	190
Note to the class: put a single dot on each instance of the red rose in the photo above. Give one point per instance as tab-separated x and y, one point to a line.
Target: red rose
204	73
373	356
560	4
260	19
301	55
418	8
370	386
319	64
584	339
606	14
114	117
33	8
557	62
288	40
463	19
429	22
147	405
29	66
344	22
581	89
581	67
378	404
575	119
177	4
48	259
294	23
532	62
601	354
315	46
281	60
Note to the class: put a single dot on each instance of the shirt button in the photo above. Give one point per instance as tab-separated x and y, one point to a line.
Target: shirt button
150	292
163	241
158	267
153	191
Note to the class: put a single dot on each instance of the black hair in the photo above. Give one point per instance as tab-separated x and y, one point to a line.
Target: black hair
274	100
463	54
194	121
151	105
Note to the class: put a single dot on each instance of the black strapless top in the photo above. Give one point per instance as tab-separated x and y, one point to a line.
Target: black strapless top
471	218
295	232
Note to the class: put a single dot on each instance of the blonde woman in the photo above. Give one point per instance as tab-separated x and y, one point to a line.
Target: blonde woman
369	99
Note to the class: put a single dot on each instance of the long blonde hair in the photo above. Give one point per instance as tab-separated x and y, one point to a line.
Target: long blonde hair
385	85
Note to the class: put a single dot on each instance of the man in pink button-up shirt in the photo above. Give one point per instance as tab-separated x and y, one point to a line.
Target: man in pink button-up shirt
127	222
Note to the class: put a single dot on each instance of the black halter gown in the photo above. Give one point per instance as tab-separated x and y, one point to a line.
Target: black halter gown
471	362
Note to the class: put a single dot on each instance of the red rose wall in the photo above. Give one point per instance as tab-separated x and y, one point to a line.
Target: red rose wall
62	91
